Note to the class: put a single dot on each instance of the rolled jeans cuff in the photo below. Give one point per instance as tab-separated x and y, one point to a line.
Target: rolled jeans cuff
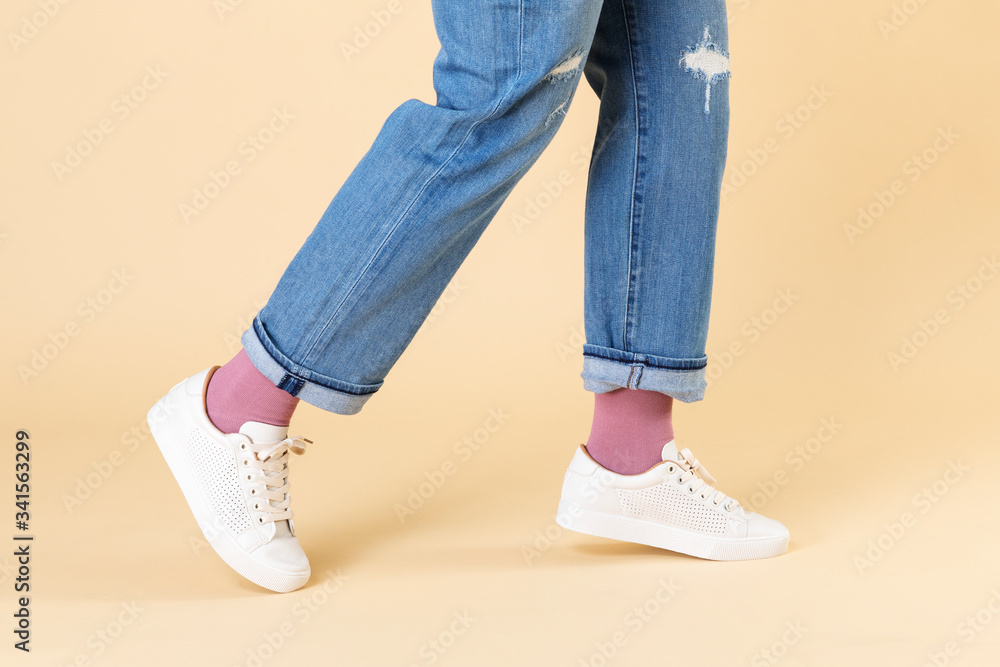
324	392
606	369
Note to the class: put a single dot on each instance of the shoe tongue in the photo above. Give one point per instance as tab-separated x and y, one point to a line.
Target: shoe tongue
262	433
669	452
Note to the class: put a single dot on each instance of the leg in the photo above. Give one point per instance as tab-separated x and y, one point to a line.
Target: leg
660	70
653	197
397	231
368	275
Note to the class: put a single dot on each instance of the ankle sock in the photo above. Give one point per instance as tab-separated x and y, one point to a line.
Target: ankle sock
630	428
239	393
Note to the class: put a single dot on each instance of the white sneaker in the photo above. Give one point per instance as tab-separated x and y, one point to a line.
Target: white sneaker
236	484
673	505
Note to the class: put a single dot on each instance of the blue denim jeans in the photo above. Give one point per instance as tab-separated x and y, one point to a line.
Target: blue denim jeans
398	229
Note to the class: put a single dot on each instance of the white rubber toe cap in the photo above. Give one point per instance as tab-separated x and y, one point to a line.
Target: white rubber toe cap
759	526
284	555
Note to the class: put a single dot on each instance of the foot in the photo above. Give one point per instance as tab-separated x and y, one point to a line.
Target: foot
236	485
673	505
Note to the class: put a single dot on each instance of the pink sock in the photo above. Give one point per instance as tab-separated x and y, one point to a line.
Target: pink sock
238	393
630	428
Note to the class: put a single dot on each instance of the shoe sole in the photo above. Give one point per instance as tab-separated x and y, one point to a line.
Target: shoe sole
171	448
628	529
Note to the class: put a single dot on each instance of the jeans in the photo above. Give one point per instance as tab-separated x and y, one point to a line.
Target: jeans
405	219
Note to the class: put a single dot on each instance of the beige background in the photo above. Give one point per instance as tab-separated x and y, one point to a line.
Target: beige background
510	330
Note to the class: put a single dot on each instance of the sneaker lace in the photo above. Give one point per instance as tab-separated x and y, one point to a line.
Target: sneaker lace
268	468
699	477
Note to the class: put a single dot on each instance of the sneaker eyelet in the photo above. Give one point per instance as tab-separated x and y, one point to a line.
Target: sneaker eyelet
671	469
260	520
249	477
253	492
243	445
256	506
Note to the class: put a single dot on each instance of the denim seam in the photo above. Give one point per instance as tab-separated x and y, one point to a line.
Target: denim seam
402	216
635	180
644	364
291	384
